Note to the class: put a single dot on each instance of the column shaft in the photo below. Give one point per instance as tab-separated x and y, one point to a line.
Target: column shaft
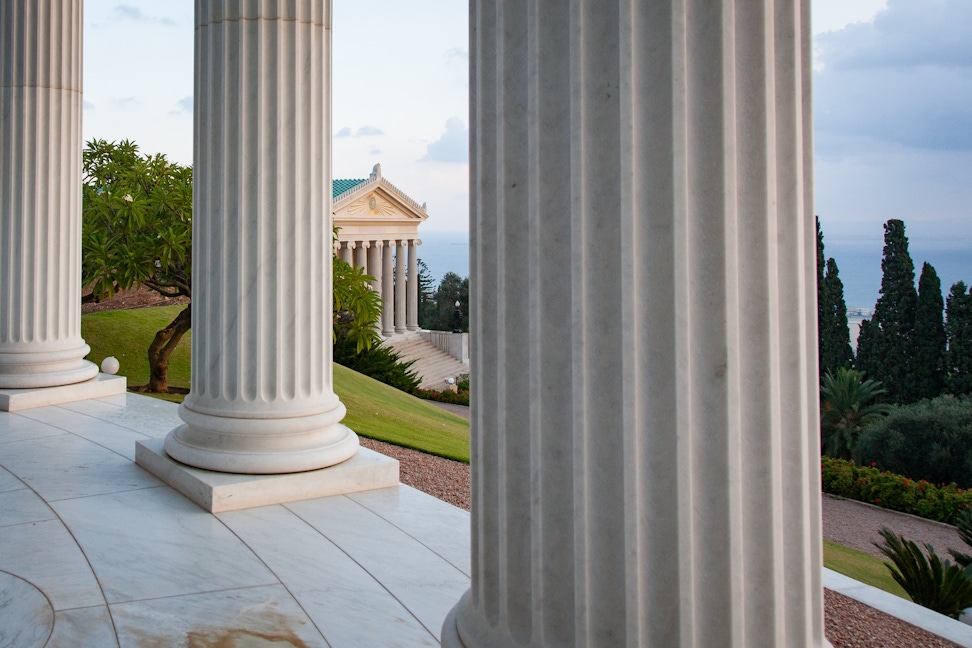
374	265
262	398
645	457
40	195
361	255
412	288
387	290
400	286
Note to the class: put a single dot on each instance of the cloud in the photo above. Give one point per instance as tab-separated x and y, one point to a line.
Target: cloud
457	54
128	12
363	131
905	78
452	146
121	102
185	104
87	105
374	151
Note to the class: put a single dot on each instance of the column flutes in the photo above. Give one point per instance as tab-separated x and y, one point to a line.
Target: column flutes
412	288
400	285
645	454
262	398
40	195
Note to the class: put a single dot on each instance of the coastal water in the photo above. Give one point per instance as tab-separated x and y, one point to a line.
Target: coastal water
859	263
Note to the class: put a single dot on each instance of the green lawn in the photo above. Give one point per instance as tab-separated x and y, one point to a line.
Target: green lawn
861	566
375	410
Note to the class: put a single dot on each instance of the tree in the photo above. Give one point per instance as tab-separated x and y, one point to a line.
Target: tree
893	323
849	403
426	297
821	297
137	231
835	347
356	307
958	329
930	341
452	289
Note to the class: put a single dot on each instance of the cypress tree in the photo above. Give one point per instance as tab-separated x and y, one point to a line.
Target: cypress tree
821	299
835	348
930	341
864	361
958	328
893	323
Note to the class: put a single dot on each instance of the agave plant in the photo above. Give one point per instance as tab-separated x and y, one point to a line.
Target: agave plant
930	581
849	404
963	523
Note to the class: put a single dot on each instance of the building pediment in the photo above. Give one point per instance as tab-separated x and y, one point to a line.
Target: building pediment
373	207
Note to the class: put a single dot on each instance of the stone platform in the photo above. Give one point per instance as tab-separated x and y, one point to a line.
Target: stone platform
95	551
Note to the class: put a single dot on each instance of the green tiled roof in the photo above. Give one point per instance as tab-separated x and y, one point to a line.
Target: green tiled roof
338	187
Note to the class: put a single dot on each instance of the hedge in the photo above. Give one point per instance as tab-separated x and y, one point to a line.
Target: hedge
940	502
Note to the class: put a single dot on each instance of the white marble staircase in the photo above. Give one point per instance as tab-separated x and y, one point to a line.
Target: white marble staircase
432	364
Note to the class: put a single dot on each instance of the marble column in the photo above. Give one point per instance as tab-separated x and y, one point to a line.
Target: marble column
645	460
261	398
412	287
374	265
361	255
400	280
387	290
40	195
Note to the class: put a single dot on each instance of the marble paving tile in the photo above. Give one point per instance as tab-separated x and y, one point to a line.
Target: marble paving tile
45	554
146	424
145	404
153	543
422	580
26	618
67	466
83	627
108	435
438	525
257	616
23	506
15	427
9	482
350	607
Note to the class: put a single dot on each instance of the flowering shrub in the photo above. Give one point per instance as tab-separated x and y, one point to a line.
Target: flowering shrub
445	396
940	502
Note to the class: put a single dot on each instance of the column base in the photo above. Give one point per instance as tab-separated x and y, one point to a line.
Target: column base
450	628
39	369
12	400
219	491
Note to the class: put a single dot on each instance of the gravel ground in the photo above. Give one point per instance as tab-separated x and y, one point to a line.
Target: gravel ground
856	525
848	623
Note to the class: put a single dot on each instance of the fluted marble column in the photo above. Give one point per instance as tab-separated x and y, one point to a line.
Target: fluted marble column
412	287
262	398
645	457
387	290
400	280
374	265
40	195
361	255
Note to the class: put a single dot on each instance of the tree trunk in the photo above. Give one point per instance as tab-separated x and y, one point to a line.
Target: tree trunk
162	347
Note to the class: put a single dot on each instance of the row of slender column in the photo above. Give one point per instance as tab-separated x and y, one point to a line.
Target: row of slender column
398	292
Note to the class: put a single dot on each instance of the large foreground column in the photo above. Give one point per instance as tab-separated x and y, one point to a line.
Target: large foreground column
645	455
412	289
261	398
40	195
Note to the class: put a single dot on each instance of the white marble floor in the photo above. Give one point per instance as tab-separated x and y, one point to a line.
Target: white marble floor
94	551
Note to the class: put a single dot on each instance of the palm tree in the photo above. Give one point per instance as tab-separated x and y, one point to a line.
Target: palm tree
849	404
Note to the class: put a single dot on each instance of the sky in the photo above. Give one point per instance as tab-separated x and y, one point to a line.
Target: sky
892	104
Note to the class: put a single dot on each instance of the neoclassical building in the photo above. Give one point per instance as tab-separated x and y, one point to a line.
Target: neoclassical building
377	229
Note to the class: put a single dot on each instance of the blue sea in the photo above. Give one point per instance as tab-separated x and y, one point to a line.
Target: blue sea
859	263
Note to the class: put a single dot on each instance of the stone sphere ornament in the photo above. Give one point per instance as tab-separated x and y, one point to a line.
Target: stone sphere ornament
110	365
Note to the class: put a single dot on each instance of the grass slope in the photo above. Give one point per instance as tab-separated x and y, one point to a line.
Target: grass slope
375	410
861	566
